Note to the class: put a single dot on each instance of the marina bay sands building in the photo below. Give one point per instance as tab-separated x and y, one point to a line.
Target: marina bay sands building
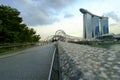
93	25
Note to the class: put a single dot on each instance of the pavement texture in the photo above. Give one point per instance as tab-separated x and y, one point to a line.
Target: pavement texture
82	62
30	64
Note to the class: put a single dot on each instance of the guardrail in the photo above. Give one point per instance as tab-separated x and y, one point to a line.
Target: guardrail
51	67
13	46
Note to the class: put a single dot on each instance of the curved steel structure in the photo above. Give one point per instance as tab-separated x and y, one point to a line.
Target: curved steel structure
62	36
60	32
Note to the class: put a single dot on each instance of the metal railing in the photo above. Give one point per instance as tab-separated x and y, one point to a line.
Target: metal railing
14	46
51	67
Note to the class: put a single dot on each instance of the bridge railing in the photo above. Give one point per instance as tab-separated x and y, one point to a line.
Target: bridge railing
52	64
14	46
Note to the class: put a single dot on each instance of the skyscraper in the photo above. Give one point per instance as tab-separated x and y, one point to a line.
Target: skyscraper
94	26
88	26
104	25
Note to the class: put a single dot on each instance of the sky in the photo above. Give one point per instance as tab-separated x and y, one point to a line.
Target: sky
48	16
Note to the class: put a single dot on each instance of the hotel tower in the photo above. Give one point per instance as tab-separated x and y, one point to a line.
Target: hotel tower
93	25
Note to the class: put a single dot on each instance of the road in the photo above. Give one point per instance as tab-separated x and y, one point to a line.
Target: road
30	64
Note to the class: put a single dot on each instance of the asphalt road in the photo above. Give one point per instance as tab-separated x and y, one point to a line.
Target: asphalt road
30	64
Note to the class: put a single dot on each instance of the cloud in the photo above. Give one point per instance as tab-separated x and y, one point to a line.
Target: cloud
68	15
72	26
58	4
115	29
113	15
113	25
40	12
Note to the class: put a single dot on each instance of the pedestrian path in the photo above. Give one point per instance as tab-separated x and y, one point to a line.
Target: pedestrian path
30	64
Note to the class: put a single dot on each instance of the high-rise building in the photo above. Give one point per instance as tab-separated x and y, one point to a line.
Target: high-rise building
104	25
88	26
94	26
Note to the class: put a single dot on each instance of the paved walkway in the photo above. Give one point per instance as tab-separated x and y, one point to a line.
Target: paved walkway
30	64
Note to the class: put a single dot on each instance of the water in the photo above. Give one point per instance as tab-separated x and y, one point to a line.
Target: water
114	47
109	46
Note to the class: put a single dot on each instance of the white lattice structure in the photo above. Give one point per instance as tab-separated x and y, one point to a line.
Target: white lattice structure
66	36
62	36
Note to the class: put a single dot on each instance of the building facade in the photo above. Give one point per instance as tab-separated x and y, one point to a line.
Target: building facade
104	25
93	25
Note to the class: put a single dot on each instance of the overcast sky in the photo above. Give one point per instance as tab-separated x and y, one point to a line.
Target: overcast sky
48	16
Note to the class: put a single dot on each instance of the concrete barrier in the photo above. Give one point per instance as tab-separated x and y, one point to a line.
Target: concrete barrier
82	62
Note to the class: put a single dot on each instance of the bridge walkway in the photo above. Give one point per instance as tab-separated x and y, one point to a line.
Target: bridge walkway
30	64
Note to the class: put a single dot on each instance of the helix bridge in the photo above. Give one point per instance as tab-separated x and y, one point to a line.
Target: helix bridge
60	35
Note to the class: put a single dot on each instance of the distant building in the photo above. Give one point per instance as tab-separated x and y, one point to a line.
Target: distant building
94	26
104	25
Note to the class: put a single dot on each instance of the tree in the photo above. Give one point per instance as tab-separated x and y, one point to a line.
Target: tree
12	29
